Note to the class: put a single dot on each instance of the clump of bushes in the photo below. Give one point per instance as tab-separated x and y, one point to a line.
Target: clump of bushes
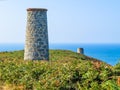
68	72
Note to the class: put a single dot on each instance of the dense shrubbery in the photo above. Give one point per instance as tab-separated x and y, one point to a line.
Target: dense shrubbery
66	71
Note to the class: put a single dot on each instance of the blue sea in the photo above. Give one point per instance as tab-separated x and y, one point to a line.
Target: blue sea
109	53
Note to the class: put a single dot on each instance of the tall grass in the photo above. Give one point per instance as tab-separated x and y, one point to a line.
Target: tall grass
66	70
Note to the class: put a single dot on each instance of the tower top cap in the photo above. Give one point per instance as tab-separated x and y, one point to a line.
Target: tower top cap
36	9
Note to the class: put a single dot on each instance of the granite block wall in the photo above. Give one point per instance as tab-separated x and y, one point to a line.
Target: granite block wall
36	44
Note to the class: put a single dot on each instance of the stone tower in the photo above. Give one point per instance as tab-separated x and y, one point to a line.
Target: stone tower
36	45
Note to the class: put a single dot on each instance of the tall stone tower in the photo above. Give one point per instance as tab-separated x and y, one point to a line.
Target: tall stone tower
36	45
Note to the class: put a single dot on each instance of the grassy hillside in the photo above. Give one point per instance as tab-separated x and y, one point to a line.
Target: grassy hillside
66	70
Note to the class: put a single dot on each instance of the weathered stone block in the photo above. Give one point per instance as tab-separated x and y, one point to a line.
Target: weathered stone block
36	45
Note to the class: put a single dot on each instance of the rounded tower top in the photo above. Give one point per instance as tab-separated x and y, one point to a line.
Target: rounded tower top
36	9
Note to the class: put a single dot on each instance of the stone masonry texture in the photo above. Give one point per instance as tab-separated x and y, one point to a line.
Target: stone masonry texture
36	44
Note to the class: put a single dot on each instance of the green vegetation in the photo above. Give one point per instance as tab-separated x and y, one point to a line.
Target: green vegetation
66	70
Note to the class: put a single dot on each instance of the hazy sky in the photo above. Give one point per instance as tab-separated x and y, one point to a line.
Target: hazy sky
69	21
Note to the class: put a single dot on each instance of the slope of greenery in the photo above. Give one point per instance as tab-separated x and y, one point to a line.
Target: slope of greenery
66	70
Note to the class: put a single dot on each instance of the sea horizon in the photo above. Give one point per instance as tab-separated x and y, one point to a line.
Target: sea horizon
107	52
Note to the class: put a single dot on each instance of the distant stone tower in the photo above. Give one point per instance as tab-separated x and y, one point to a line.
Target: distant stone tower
36	45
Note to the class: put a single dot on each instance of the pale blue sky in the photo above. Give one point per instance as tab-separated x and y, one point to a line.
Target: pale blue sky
69	21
